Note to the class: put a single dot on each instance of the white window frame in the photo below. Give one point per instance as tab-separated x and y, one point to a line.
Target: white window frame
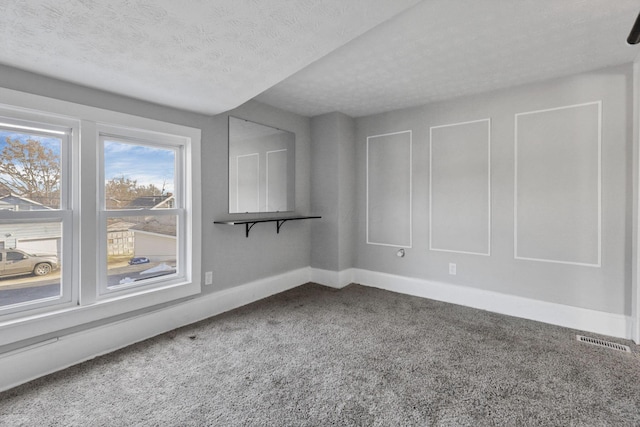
81	260
42	124
141	138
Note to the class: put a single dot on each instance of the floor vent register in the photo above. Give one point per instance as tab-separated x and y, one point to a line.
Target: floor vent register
603	343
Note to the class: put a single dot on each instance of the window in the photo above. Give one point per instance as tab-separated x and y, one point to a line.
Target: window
142	194
99	214
34	211
15	256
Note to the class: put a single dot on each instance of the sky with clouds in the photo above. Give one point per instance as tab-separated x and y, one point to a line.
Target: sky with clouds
144	164
46	141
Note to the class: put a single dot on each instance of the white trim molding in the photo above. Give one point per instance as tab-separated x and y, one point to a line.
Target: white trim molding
369	242
635	225
583	319
23	365
238	181
333	279
53	354
266	189
431	247
598	263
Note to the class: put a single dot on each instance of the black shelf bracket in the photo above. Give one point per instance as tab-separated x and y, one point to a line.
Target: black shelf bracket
249	223
279	224
248	228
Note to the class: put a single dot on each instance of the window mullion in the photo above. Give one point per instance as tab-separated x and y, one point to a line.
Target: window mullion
87	251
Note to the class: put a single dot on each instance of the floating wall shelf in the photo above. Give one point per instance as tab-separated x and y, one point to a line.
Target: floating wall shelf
249	223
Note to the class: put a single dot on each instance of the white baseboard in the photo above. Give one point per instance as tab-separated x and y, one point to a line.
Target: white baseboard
614	325
58	353
333	279
54	354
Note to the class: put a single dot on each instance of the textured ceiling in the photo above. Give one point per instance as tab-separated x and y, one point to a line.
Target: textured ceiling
312	56
199	55
442	49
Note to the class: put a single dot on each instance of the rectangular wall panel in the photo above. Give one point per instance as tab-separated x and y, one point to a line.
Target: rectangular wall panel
277	180
460	187
389	189
248	183
558	185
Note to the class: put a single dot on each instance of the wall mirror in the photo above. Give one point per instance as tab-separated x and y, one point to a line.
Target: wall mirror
261	168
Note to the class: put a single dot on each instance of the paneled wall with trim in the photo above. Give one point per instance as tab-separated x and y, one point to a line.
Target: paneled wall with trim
460	187
526	190
388	189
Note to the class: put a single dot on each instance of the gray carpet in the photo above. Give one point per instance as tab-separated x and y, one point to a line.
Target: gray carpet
314	356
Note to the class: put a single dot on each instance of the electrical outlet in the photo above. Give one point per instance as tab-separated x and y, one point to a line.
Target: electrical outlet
208	278
452	269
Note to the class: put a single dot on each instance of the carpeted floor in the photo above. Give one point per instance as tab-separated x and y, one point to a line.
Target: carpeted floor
315	356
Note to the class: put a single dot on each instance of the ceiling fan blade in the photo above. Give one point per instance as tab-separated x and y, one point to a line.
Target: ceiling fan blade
634	35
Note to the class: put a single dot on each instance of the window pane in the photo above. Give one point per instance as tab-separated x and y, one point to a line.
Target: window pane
149	249
138	176
30	265
29	171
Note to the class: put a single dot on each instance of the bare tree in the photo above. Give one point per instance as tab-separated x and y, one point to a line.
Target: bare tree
29	169
121	191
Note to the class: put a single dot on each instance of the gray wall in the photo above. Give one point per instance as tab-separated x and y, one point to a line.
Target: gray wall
338	191
388	189
460	204
607	287
333	191
347	197
233	258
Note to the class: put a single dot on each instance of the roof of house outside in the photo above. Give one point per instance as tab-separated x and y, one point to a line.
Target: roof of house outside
151	202
14	202
166	226
120	226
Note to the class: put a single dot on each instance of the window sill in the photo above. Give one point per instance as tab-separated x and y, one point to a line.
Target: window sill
52	321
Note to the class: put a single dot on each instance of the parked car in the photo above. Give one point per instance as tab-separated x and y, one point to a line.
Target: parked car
14	262
139	260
